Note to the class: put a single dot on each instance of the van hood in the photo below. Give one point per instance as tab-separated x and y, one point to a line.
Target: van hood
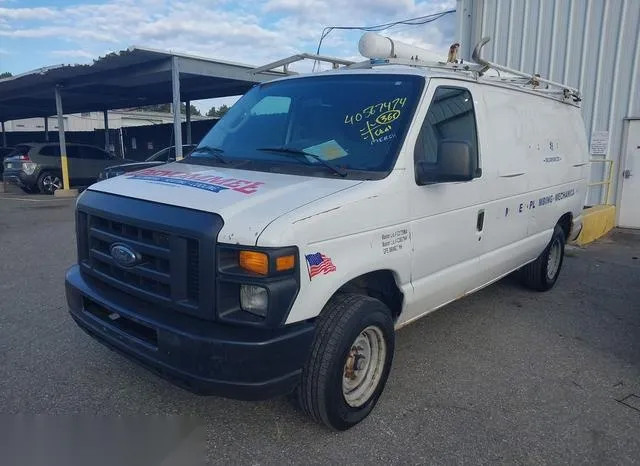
246	200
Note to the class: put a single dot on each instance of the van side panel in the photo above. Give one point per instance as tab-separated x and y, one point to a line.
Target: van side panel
534	154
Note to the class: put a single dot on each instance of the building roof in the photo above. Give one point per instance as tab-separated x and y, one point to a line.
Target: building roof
129	78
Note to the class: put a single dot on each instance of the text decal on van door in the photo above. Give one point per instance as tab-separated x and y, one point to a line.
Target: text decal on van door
545	200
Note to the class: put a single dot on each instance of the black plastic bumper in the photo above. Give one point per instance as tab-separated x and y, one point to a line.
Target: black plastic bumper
203	357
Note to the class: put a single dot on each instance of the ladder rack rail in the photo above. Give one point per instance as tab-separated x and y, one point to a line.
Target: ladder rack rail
567	90
475	69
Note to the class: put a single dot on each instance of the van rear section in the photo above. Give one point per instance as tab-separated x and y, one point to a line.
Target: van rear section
171	308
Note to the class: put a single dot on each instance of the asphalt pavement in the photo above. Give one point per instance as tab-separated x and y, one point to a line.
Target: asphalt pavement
506	376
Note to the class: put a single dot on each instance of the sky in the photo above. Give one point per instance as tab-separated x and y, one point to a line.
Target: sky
38	33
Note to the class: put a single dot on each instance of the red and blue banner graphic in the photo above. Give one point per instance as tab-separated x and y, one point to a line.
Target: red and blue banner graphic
212	183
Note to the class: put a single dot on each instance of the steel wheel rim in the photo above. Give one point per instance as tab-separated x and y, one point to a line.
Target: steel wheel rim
553	262
51	183
364	366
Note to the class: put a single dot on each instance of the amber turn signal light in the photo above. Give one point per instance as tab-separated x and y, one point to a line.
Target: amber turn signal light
256	262
285	263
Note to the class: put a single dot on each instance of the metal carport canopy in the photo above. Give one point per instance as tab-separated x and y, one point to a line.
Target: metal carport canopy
130	78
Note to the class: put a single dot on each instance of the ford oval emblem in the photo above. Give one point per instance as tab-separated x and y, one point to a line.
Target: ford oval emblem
123	255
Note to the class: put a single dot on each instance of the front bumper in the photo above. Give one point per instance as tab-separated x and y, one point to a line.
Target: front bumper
201	356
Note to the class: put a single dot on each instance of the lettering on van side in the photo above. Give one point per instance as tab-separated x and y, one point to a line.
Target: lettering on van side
207	182
394	241
544	201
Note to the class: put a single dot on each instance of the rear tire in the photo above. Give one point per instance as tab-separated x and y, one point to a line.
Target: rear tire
49	182
542	274
350	361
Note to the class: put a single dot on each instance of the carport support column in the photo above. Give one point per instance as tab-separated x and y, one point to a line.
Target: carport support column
177	126
3	185
66	192
106	130
188	109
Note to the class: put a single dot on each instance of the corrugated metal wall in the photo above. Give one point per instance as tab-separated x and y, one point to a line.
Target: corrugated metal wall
593	45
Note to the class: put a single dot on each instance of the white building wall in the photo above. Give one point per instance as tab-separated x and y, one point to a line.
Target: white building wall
593	45
94	120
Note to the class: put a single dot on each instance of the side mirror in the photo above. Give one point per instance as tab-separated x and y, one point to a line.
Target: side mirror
455	163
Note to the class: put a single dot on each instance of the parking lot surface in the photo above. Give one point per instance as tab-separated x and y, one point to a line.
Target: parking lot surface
506	376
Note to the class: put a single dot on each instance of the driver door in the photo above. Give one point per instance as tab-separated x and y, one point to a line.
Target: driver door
447	217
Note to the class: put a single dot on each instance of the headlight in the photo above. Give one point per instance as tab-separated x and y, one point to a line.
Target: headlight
28	168
254	299
256	285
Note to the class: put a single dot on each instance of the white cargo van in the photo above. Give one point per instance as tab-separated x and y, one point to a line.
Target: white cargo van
322	213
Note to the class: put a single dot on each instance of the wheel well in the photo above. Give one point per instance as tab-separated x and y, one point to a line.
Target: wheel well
565	223
381	285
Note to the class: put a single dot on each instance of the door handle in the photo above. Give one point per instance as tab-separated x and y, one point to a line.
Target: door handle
480	220
626	174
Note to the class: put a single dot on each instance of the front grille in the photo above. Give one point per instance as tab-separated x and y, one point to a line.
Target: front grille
175	246
169	267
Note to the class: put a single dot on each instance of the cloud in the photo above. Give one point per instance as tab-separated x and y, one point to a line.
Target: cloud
224	29
38	13
73	54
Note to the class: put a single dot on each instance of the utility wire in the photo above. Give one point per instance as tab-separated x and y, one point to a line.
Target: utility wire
382	27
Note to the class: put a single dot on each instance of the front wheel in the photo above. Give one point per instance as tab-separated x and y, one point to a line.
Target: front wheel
542	274
350	361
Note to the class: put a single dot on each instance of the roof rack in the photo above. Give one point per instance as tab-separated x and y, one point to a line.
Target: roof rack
285	62
476	69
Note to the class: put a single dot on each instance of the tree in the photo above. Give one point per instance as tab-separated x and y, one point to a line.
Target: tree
166	108
194	110
213	112
6	74
222	110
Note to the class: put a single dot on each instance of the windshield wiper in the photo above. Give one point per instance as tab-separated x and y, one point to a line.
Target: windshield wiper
293	152
215	151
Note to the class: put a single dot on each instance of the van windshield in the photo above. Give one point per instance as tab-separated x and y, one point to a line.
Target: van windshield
349	125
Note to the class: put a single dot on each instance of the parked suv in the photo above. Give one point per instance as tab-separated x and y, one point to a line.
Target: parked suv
166	155
36	167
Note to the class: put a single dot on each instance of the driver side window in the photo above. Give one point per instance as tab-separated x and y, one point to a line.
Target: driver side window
451	116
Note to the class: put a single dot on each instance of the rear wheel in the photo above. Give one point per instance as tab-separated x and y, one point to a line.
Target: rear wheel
541	274
350	361
49	182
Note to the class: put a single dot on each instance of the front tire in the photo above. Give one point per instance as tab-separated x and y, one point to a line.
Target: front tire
542	274
350	361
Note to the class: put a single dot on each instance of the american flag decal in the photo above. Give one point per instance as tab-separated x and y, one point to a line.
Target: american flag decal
319	264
